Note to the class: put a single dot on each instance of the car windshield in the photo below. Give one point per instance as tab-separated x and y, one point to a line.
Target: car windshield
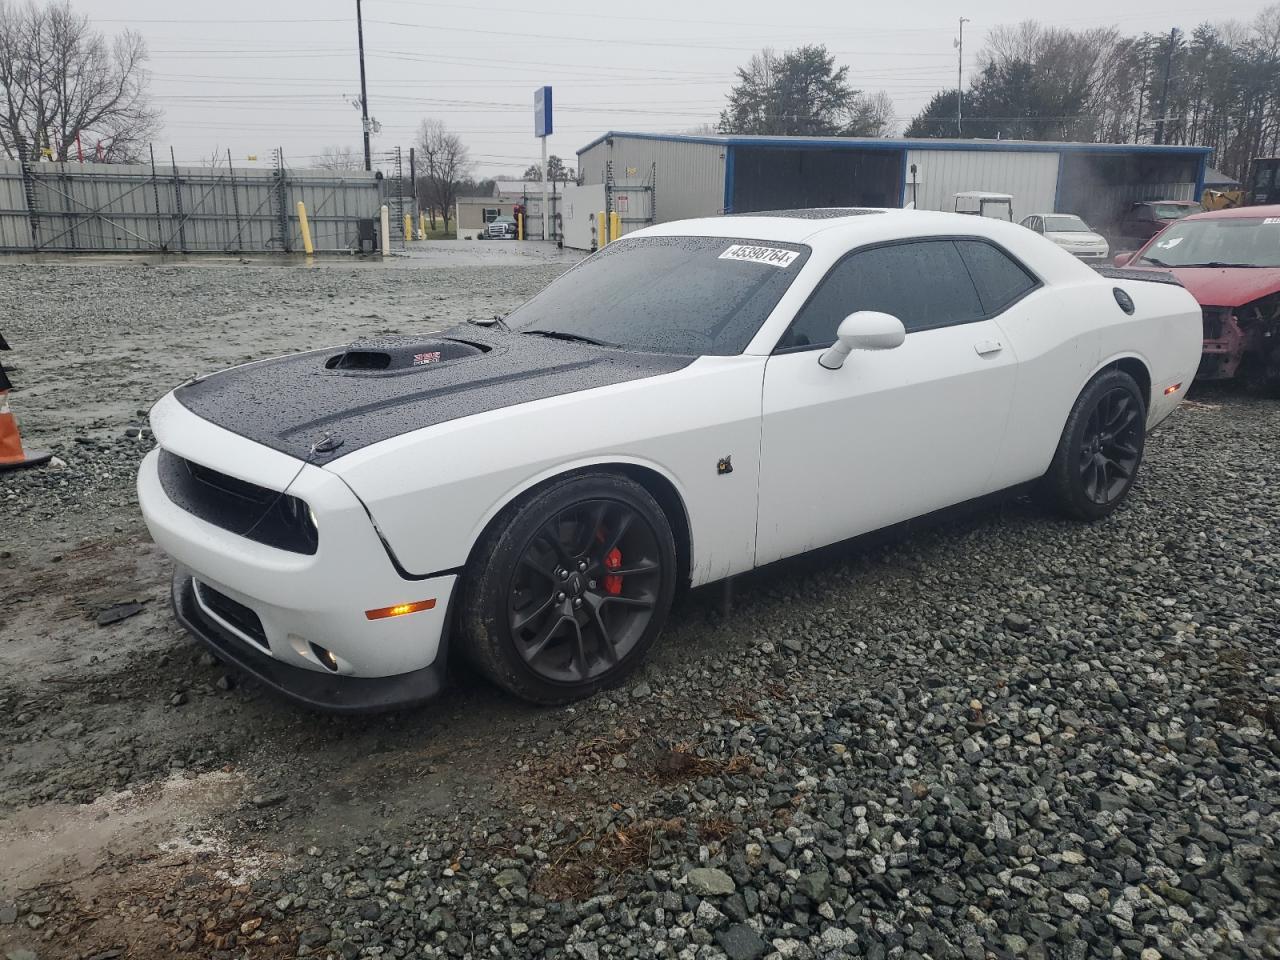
1175	211
685	295
1229	241
503	220
1060	224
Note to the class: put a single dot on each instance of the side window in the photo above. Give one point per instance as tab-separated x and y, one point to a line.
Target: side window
924	283
1000	279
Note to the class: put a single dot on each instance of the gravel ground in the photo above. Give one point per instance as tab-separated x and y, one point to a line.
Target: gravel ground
999	736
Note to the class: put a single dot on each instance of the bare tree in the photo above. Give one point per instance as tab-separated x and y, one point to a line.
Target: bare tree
873	115
445	162
61	80
339	158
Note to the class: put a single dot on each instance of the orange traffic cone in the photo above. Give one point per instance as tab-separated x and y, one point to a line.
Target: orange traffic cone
12	455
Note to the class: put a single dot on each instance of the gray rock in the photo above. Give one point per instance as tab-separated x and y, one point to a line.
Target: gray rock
509	877
815	885
709	882
741	942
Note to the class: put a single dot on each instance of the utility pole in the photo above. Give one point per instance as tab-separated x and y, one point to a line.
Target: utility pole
1164	93
413	180
364	91
960	78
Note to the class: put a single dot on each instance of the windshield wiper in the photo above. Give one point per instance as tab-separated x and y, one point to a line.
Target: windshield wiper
1218	263
575	337
1155	262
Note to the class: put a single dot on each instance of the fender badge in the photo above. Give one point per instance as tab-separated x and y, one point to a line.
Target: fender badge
724	466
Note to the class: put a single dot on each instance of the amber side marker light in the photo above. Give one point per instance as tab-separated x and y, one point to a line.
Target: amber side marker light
1174	389
399	610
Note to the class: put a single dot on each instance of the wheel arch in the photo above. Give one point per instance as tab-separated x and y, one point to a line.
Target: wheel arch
1132	364
658	482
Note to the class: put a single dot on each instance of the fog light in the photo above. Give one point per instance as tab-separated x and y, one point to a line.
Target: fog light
399	610
325	657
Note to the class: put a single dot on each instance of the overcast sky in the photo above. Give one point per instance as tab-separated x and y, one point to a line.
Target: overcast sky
250	75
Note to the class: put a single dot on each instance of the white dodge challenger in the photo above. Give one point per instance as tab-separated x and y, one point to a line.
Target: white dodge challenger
695	400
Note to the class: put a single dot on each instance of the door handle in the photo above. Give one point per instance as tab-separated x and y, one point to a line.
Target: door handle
986	348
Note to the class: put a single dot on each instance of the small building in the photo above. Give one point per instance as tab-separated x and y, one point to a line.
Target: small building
1215	179
472	213
692	176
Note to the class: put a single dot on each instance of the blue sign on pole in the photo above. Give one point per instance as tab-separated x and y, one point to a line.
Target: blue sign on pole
542	112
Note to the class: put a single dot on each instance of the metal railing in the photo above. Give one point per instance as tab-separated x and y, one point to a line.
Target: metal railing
160	207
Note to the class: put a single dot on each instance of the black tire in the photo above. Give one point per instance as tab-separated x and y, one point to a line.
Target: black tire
1100	450
607	622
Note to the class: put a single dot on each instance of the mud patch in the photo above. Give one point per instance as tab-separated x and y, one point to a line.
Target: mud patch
58	843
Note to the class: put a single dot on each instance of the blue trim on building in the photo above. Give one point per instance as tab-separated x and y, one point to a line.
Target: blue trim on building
1057	188
1200	175
856	143
728	179
902	194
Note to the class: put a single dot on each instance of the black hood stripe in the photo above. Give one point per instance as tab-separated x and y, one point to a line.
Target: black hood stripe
290	403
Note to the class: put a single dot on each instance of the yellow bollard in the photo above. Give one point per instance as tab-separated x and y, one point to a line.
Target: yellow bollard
519	226
384	234
408	227
615	225
305	227
602	230
422	226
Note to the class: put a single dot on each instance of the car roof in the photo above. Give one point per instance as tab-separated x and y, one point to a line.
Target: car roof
783	226
851	228
1262	211
834	236
1167	203
982	195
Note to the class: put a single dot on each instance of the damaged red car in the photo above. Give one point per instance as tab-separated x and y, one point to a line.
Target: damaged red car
1230	261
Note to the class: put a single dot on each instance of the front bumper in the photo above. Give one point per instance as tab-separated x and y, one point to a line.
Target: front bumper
320	691
310	635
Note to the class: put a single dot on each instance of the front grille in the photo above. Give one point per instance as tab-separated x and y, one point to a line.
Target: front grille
233	612
265	516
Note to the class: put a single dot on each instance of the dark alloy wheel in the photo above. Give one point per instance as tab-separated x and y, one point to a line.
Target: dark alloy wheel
584	591
1100	450
1111	446
571	587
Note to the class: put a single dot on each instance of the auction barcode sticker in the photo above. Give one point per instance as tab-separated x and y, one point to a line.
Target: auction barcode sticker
773	256
1272	220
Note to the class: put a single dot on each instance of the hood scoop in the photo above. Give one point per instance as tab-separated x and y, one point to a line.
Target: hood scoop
395	355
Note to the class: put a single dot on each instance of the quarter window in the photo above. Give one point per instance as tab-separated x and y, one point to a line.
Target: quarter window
1000	279
924	283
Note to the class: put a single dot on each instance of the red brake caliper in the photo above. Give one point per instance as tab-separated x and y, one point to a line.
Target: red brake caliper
613	582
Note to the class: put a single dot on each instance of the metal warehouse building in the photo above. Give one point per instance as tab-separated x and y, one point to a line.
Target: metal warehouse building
651	178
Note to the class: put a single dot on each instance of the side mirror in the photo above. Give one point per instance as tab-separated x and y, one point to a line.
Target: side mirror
864	330
1122	259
